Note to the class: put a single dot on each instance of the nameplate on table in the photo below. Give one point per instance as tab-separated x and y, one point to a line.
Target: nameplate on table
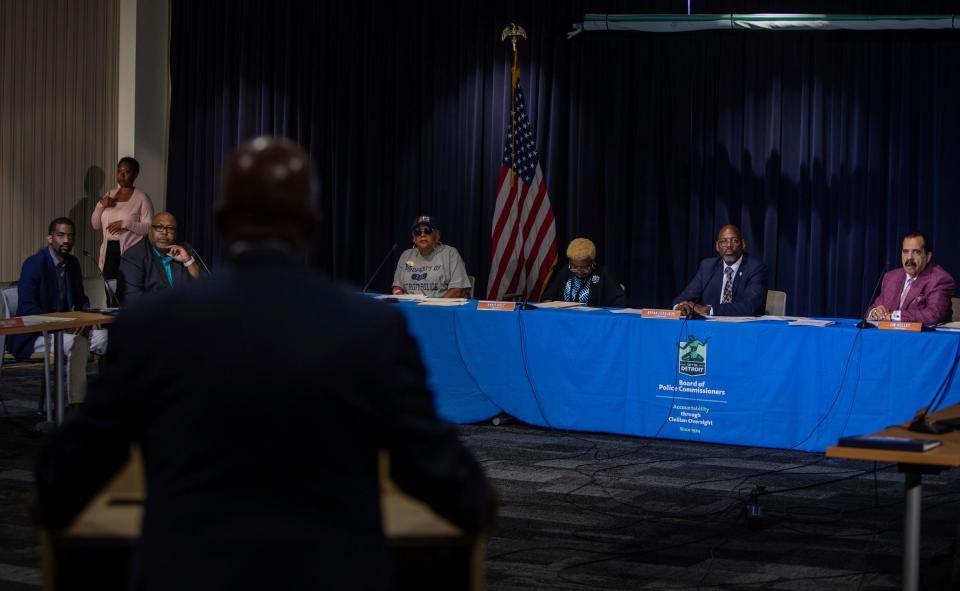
11	322
658	313
498	306
902	326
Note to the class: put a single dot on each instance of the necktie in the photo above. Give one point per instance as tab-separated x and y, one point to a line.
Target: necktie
62	287
906	288
727	296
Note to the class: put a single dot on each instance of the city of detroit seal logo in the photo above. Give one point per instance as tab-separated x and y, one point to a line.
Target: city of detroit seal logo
692	356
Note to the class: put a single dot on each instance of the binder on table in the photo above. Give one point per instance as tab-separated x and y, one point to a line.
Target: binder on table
892	443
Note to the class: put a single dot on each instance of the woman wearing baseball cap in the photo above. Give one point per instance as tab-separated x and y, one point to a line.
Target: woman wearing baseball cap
430	268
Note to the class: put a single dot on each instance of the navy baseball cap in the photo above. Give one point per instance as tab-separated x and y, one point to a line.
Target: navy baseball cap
425	220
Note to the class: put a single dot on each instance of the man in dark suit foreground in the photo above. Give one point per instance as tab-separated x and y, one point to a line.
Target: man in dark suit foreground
260	398
731	284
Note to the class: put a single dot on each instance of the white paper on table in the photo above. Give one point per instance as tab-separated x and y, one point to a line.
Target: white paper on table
38	319
558	304
585	309
410	297
949	326
732	318
810	322
782	318
443	302
637	311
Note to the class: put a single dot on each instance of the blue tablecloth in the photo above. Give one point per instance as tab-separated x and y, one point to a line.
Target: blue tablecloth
760	383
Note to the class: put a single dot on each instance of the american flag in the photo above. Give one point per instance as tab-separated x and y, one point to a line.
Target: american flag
524	233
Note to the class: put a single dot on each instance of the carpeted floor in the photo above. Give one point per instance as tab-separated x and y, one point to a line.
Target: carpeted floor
590	511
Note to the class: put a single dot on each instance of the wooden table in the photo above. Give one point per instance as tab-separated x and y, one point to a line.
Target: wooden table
56	328
914	465
95	552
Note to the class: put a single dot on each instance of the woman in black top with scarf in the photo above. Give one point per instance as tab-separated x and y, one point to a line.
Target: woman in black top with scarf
583	281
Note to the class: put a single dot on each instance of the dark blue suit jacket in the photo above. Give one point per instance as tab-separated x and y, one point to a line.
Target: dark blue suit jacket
37	293
141	272
749	287
260	432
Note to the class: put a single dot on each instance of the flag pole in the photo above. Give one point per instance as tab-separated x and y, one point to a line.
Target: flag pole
513	32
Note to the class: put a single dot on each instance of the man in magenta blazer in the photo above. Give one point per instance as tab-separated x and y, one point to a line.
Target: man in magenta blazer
920	292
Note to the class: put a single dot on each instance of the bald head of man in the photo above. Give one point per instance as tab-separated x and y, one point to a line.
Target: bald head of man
266	193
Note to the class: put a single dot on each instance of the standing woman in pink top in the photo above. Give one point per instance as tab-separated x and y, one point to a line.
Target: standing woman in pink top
124	215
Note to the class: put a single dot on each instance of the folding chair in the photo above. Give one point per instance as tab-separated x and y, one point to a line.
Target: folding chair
10	297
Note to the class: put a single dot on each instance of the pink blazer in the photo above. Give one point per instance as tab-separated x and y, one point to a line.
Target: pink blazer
135	214
928	300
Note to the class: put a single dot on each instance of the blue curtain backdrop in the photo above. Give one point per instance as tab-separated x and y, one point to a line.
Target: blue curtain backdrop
824	147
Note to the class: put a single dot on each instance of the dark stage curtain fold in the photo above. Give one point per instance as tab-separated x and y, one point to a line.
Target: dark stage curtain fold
824	147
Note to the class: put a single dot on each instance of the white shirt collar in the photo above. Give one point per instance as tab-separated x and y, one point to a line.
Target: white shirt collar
54	257
735	266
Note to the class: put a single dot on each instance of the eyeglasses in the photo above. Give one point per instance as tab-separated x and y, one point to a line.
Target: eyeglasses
730	241
581	268
164	229
423	231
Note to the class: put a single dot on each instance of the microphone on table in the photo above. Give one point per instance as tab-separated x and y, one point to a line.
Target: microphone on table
864	323
524	303
112	301
380	266
196	255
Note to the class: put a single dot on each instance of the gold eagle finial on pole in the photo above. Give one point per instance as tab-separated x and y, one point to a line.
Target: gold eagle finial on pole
514	32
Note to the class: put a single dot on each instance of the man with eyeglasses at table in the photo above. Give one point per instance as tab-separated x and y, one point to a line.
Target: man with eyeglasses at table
430	268
731	284
157	263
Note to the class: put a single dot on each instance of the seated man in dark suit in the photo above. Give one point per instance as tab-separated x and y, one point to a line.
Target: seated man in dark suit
732	284
156	263
921	291
51	281
582	281
261	419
